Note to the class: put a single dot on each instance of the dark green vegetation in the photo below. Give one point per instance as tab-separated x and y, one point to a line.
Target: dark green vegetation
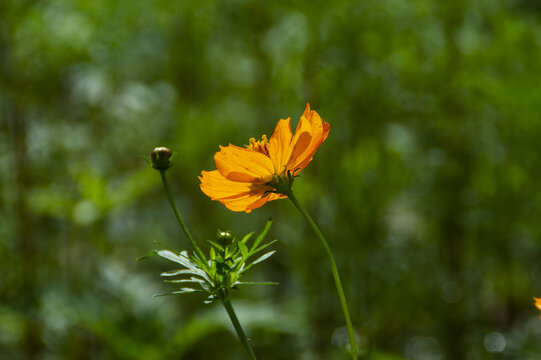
428	187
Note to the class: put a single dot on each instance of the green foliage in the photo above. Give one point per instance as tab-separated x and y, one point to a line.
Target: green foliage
228	262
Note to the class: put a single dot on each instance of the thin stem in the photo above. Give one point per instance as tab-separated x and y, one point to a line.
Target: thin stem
179	218
238	328
227	302
334	269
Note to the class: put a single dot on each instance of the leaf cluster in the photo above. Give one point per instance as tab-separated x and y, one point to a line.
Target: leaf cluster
228	261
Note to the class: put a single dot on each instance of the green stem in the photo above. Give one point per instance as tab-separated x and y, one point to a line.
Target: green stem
179	218
227	302
334	269
238	328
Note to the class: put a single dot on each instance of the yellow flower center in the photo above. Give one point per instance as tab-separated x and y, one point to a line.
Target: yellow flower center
259	145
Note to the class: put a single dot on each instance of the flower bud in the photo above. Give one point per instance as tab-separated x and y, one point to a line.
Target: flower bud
161	158
224	238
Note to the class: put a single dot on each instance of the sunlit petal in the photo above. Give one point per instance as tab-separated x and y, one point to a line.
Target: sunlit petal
279	145
243	202
318	129
243	165
216	186
300	142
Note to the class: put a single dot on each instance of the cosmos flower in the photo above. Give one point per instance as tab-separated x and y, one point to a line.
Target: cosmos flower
248	177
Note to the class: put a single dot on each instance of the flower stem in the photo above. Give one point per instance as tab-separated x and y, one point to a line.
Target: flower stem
226	302
334	269
179	218
238	328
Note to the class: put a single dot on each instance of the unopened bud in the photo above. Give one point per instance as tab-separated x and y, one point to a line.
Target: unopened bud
161	158
224	237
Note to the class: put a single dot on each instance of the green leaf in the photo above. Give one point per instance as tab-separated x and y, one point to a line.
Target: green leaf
163	294
182	259
239	263
211	270
264	257
261	236
185	290
180	272
181	291
243	250
152	253
216	245
163	246
255	283
197	261
263	247
192	280
246	238
195	272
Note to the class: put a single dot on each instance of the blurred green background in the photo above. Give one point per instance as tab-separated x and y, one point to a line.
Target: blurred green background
427	187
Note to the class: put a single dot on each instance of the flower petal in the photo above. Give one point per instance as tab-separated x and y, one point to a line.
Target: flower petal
236	196
300	142
216	186
305	149
249	202
243	203
279	145
243	165
264	200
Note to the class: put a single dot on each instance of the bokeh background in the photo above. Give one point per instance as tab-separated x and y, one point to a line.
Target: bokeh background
428	187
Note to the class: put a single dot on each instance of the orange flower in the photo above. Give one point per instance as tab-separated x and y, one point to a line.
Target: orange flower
246	178
537	303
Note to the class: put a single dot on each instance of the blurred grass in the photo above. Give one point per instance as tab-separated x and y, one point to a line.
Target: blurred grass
427	186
